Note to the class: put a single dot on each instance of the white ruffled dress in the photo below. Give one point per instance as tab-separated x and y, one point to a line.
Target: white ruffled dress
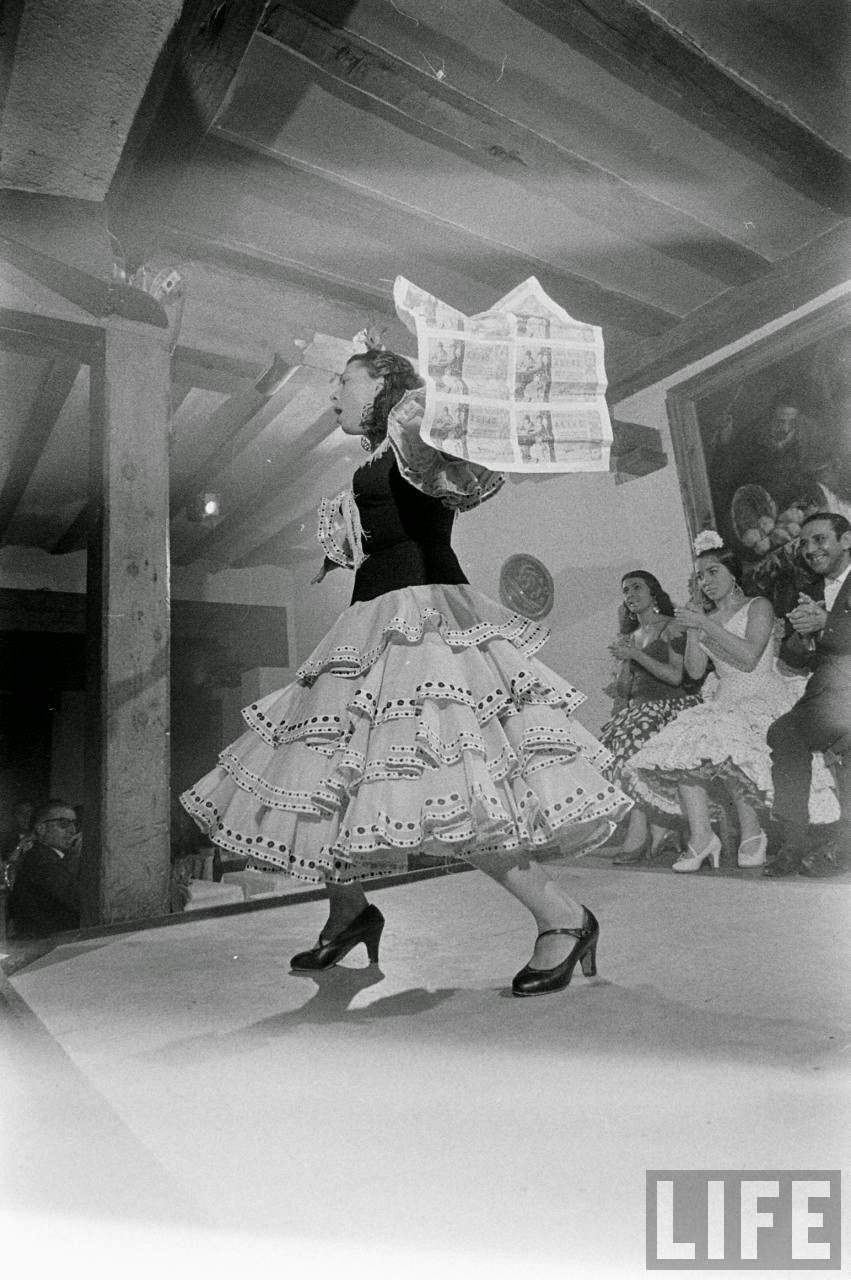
724	738
422	723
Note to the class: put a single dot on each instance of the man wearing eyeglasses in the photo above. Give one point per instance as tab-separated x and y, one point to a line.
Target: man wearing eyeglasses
45	896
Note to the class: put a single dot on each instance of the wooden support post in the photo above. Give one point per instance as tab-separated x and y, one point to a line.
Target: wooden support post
126	868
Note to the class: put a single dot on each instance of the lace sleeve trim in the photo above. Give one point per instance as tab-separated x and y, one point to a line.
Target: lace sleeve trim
458	484
340	533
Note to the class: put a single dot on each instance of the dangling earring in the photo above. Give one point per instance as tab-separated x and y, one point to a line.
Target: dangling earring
366	421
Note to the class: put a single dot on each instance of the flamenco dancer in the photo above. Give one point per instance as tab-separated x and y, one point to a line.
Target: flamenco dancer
422	722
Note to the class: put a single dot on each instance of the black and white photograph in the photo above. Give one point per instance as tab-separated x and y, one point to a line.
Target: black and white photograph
425	637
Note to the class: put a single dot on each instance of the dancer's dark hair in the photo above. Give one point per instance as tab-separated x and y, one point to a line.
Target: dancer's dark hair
399	376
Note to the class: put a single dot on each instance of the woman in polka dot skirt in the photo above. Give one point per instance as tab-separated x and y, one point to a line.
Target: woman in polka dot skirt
422	723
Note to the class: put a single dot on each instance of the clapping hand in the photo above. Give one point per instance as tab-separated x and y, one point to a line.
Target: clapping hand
622	648
690	616
807	617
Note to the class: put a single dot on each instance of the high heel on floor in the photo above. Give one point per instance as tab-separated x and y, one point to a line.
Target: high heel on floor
539	982
752	851
366	928
693	860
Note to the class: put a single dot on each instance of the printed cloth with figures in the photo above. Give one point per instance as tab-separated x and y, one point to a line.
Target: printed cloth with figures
423	722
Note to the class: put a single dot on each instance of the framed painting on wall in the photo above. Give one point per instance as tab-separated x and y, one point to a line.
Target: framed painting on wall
763	439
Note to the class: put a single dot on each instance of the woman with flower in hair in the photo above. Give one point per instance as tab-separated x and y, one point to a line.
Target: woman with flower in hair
422	723
652	688
723	739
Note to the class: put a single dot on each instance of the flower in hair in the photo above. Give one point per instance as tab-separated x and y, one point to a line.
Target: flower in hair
707	540
368	339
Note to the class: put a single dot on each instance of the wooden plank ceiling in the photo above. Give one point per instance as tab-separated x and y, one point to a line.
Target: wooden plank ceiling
678	177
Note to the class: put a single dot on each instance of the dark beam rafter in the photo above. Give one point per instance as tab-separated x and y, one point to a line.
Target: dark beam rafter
11	12
794	281
188	85
52	394
230	428
641	49
439	238
269	266
24	331
99	298
236	534
411	99
212	371
75	537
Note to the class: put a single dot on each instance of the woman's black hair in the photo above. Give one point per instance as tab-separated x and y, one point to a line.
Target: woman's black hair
663	602
726	556
399	376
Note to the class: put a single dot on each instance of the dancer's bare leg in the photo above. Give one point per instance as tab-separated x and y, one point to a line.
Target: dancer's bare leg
636	831
528	882
695	807
657	835
748	819
345	901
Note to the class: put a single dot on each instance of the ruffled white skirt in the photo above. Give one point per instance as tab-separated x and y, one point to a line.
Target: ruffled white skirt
421	724
724	739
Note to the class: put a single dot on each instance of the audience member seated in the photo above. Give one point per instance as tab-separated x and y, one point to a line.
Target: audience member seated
723	738
818	640
651	690
45	896
15	835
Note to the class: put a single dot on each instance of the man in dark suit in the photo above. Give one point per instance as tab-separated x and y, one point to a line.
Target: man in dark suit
45	895
818	640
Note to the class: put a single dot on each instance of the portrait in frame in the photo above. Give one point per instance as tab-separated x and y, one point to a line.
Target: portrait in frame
762	439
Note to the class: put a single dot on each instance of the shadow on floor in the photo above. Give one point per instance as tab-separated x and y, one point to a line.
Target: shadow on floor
594	1017
329	1005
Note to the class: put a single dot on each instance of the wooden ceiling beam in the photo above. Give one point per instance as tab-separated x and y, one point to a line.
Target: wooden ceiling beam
212	371
52	394
279	553
236	534
795	280
639	48
188	86
99	298
24	331
252	261
414	100
230	428
75	537
406	225
10	20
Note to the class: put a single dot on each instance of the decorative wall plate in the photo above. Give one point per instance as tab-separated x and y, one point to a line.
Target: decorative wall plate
526	586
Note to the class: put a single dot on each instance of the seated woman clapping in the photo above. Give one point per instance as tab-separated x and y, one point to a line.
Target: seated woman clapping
722	739
652	688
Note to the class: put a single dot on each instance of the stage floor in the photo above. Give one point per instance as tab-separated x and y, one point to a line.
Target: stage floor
178	1095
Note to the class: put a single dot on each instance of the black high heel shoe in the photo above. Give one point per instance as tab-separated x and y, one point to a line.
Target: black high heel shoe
539	982
365	928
